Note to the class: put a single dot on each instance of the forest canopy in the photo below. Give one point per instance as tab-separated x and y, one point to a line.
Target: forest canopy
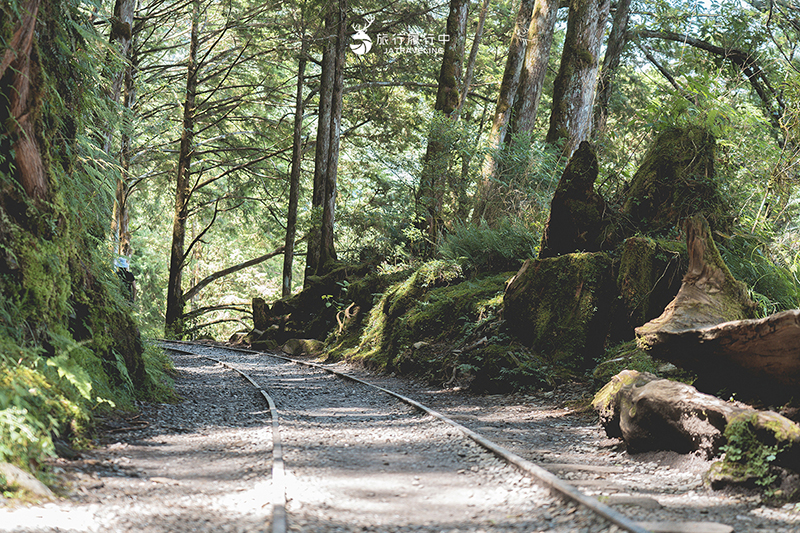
446	117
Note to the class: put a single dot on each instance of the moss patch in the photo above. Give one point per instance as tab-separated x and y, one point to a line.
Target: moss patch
562	306
649	276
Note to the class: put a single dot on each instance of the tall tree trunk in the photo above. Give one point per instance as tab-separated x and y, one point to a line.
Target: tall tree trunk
473	56
294	177
121	89
327	251
489	204
617	40
15	88
534	70
174	327
437	156
322	149
575	84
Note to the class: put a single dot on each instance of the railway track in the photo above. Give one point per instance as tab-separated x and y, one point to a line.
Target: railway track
540	475
357	459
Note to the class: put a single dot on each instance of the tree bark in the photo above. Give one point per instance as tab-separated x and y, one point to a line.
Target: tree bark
122	88
174	327
489	205
617	40
322	149
534	70
437	157
294	177
575	84
15	87
473	55
327	249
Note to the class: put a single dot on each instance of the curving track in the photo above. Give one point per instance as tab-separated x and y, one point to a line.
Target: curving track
539	474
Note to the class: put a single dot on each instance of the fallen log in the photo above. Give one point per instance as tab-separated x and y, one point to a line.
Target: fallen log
708	328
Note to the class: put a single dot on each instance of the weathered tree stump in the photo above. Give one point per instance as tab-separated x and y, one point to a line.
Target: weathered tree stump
562	306
577	212
708	329
675	180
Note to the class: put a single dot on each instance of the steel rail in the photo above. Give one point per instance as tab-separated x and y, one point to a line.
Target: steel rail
278	496
541	475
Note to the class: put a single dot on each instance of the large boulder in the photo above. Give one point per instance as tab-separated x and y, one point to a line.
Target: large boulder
649	413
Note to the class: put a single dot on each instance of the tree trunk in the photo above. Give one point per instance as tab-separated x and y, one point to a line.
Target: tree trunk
437	156
322	149
15	88
574	87
327	251
489	205
175	298
121	212
534	70
294	177
614	48
473	55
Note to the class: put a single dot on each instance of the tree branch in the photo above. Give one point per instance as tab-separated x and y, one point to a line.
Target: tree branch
210	309
188	295
744	60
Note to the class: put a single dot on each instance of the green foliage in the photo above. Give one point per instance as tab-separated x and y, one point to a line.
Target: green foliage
773	287
479	248
746	455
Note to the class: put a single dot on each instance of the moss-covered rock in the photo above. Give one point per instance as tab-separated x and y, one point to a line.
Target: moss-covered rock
562	306
434	303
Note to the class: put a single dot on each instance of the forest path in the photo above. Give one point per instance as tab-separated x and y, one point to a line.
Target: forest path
358	460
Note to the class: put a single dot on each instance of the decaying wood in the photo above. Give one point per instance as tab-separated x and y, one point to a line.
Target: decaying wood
708	329
708	295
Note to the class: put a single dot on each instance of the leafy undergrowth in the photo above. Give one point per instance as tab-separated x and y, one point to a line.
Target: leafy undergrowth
444	327
48	400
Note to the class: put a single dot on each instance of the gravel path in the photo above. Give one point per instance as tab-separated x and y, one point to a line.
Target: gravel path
358	460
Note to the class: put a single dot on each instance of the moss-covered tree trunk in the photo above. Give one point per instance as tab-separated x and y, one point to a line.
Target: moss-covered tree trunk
534	70
575	84
489	204
174	326
436	162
